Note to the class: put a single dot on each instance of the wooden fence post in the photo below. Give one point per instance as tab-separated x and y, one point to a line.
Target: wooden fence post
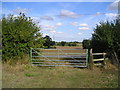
104	62
91	63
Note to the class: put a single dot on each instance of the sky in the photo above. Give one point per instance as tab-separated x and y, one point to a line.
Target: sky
64	21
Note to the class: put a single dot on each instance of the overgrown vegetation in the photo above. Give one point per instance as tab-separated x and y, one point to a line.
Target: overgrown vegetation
86	44
106	38
18	35
26	76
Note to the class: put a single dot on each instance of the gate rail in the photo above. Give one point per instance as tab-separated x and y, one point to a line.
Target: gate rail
59	57
98	61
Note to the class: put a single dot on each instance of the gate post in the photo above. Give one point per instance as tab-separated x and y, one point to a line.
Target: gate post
91	63
58	53
30	55
87	57
104	62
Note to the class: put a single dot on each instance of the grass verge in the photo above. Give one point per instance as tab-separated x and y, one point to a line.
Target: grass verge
26	76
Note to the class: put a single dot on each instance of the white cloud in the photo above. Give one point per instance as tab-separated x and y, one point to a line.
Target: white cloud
36	19
77	24
74	23
53	31
111	14
59	24
22	10
97	14
84	28
51	27
68	14
47	18
60	32
56	32
44	34
98	24
79	33
47	27
15	15
92	32
114	5
83	25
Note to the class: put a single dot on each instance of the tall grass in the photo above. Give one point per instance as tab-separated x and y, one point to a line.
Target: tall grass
21	74
25	59
27	76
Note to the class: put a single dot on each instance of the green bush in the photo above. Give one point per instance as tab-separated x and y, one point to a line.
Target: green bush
106	38
18	35
86	44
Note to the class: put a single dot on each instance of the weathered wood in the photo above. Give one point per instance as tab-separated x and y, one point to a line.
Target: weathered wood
98	64
101	59
98	53
91	60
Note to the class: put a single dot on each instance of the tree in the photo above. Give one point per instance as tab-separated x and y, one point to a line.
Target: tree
53	43
19	34
48	41
106	38
86	44
63	43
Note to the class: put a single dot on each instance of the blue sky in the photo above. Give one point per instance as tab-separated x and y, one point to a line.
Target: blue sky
64	21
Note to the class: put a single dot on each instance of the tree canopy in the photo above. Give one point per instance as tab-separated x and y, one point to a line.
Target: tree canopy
106	37
18	35
48	41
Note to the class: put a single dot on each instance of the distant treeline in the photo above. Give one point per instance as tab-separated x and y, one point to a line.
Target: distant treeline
49	43
64	43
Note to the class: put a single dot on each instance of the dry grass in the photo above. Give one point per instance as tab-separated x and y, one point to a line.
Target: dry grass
23	75
68	47
26	76
67	51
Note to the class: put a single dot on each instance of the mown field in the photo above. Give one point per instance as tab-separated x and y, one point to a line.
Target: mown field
27	76
69	47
